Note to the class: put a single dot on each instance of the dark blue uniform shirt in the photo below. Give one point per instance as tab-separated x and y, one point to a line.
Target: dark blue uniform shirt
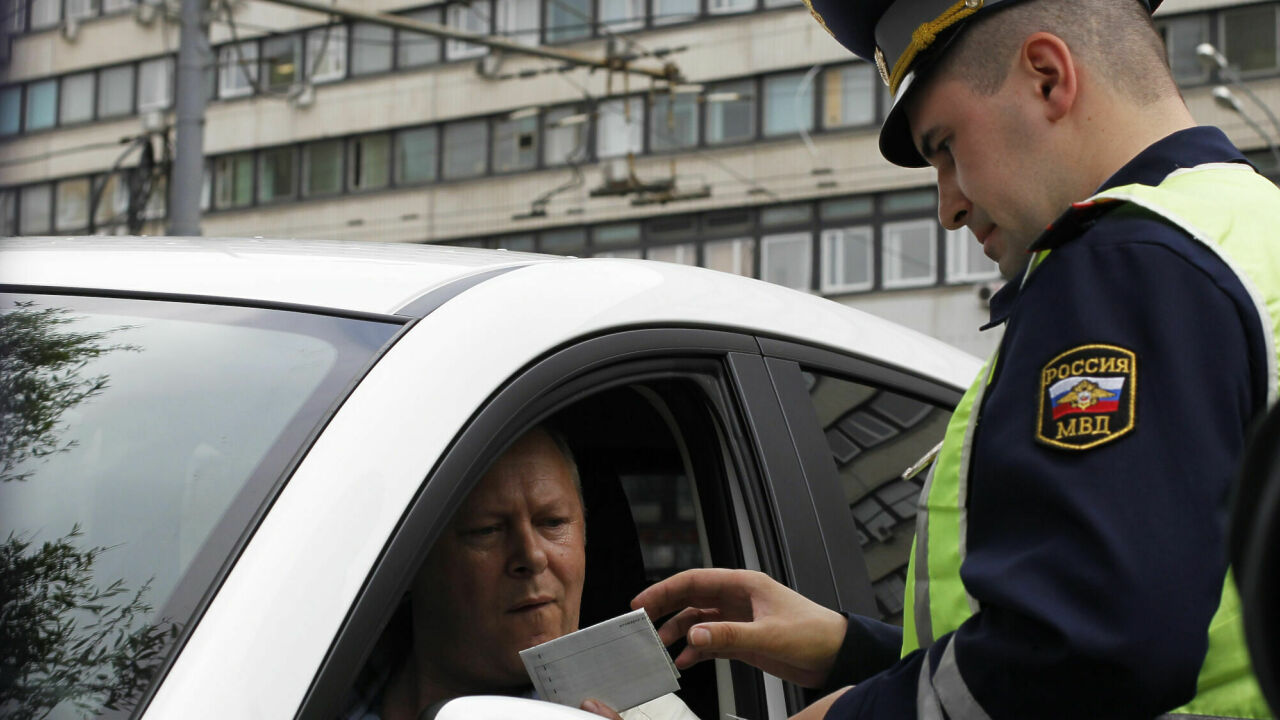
1096	571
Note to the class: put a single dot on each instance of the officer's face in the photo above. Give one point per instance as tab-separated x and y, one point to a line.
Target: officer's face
990	178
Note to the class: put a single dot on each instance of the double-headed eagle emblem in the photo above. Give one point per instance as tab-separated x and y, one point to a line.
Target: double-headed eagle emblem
1085	395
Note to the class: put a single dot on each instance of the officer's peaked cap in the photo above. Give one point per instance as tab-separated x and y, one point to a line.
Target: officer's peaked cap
904	38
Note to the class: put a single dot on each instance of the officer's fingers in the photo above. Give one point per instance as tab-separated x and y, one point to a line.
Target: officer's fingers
701	587
675	628
728	639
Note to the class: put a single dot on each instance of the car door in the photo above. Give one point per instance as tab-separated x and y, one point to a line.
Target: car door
858	427
721	464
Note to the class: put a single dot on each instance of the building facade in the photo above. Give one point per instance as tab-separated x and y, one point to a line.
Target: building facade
761	161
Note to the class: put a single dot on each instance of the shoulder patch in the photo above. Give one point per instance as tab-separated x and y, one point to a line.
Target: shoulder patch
1087	397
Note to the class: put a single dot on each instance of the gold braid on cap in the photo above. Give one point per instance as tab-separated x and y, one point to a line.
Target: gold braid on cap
817	16
923	36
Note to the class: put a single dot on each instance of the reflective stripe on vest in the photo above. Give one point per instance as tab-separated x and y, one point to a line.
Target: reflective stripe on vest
1193	199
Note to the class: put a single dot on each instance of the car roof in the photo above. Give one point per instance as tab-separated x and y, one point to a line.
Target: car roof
387	279
344	276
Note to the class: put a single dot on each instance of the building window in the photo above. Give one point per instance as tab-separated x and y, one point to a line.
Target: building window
720	7
327	53
416	154
206	186
45	13
473	18
786	215
518	243
788	104
111	6
629	253
965	259
845	208
155	84
780	3
237	69
73	205
610	237
233	181
81	9
727	222
683	254
731	112
42	104
1249	37
11	110
277	173
322	168
418	49
518	20
369	162
35	209
568	20
158	200
8	213
372	48
737	256
568	241
673	121
1181	37
674	11
847	259
848	95
565	136
911	201
787	259
621	15
75	99
619	129
465	144
515	144
112	198
17	21
281	61
909	253
115	91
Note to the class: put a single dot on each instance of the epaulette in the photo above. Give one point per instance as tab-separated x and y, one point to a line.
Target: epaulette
1074	222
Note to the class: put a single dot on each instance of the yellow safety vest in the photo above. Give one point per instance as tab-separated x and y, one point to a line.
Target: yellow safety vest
1204	201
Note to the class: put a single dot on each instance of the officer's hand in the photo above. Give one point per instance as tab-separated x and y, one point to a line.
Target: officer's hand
745	615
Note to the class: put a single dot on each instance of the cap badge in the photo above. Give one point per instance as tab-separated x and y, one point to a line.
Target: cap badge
882	66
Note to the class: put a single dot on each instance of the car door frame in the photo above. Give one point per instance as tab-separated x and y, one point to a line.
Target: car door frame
538	390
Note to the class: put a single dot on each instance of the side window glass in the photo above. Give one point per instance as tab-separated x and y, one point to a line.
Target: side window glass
641	481
874	435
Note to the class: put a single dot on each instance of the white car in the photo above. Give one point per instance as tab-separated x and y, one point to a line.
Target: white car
224	459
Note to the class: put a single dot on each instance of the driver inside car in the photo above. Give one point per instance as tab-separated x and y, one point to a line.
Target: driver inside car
506	574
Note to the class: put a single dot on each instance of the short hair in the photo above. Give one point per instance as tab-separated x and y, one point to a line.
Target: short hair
562	444
1114	37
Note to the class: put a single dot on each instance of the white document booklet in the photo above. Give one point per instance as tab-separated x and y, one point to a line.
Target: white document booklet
620	662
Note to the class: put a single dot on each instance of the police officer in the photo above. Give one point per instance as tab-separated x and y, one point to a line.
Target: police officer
1069	558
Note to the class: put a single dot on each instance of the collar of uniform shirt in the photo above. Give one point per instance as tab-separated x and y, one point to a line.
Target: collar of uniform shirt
1190	147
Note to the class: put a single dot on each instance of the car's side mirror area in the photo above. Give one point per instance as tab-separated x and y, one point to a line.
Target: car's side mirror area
498	707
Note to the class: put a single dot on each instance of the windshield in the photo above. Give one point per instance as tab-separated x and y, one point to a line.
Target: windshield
138	441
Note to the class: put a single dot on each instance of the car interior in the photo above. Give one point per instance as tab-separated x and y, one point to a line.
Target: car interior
644	451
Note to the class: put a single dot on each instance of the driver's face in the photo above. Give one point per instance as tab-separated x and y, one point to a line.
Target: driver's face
507	573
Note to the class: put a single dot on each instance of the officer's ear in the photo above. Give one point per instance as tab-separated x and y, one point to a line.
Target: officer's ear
1048	70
